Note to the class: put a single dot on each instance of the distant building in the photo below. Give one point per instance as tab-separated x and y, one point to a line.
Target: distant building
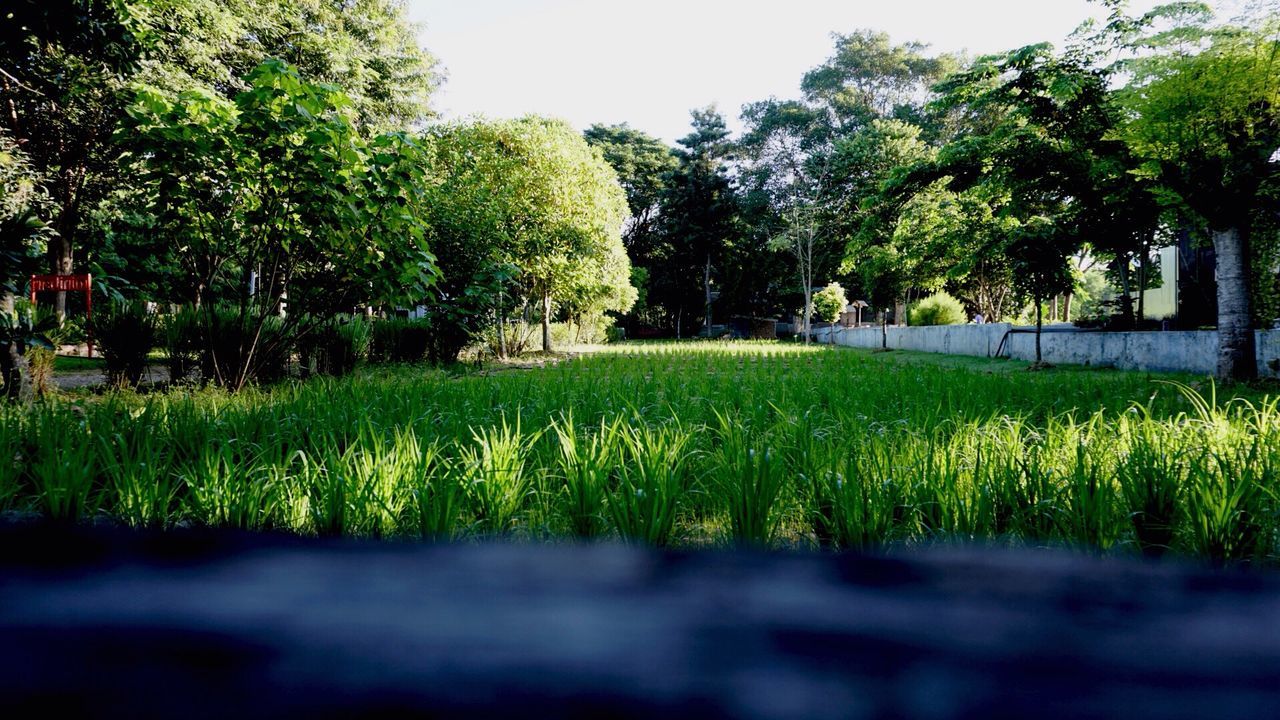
1187	292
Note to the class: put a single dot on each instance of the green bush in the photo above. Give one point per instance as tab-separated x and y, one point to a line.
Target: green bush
181	332
126	333
400	340
229	340
589	330
829	302
940	309
336	347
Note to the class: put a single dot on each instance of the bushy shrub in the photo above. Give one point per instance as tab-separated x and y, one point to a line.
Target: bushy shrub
41	359
829	302
229	339
181	333
400	340
940	309
336	347
126	332
589	330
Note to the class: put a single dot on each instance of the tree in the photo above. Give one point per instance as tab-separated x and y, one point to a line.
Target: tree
642	163
699	219
22	203
787	149
367	47
797	152
1204	116
277	196
830	302
61	65
868	78
1035	145
533	195
68	69
876	244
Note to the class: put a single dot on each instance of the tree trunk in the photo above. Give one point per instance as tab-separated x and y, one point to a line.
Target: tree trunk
1126	293
807	324
60	264
1066	307
16	371
1053	309
546	321
1237	355
884	329
1142	283
502	336
14	368
706	288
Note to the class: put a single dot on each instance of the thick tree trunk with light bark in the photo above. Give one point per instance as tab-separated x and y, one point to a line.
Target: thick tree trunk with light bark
1237	354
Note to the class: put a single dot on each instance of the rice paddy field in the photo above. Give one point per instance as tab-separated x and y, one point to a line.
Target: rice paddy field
686	445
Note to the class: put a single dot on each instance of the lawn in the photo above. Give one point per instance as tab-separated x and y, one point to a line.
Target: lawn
708	444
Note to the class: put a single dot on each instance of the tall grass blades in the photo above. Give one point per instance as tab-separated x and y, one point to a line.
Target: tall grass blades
436	495
864	498
492	471
762	444
651	483
1152	472
140	482
225	488
13	457
1091	514
751	478
62	470
587	465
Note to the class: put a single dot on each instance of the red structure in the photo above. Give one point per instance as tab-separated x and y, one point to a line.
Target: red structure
68	283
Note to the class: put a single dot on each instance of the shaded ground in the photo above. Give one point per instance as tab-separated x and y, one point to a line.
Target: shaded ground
82	375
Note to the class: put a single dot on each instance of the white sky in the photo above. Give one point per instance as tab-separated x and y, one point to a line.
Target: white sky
648	62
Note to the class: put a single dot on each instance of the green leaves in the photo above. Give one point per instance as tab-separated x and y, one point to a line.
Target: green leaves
280	183
532	195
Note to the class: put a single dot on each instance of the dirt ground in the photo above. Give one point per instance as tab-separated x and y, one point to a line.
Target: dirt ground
90	378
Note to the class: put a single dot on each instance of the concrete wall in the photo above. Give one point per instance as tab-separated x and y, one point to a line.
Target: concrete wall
1194	351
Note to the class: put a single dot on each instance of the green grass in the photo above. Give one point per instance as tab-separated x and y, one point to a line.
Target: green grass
78	364
694	444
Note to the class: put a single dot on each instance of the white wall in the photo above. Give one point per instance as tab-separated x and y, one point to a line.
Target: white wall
1193	351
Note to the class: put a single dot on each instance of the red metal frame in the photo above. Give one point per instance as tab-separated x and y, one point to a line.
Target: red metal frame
68	283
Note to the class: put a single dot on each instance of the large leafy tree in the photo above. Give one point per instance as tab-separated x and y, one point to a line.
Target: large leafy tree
22	204
811	159
61	66
279	186
643	164
525	209
1034	144
881	253
869	77
1203	107
367	47
699	222
68	69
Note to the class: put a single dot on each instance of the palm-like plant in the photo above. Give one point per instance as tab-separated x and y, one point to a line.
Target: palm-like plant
20	330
